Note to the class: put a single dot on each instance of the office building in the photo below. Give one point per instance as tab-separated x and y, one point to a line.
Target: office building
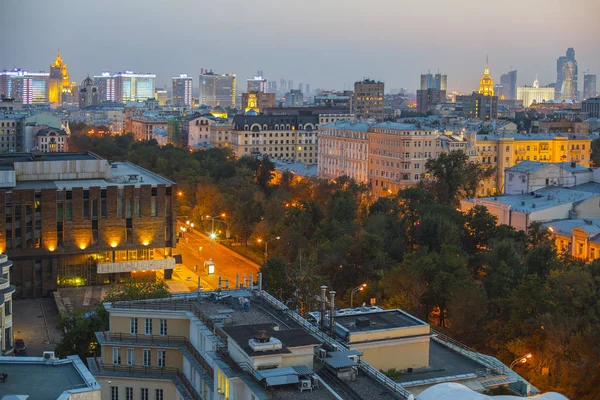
88	93
294	98
479	106
589	86
106	87
591	107
272	86
161	96
434	81
258	84
74	219
281	137
334	99
307	90
59	84
427	99
5	91
12	128
29	87
368	99
130	86
486	83
282	85
147	128
258	101
508	86
535	93
217	90
6	307
182	90
566	76
290	84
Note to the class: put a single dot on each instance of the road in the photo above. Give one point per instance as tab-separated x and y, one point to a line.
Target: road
195	248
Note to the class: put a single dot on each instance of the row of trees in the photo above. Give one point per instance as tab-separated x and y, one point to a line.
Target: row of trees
501	291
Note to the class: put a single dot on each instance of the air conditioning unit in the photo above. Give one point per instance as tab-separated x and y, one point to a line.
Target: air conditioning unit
49	355
305	384
322	354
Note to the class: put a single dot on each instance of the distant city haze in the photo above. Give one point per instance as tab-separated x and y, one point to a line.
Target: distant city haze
328	44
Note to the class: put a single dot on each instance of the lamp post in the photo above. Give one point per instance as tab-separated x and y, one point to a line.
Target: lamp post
521	360
267	245
213	235
354	291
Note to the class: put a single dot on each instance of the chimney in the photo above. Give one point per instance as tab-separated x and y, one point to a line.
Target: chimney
260	283
251	281
332	312
323	307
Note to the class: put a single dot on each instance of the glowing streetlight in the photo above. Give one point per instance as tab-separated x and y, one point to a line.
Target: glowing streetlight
354	291
521	360
267	244
213	234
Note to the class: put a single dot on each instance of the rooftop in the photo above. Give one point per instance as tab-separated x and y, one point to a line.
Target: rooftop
297	168
565	227
378	320
544	198
346	125
532	166
534	136
401	126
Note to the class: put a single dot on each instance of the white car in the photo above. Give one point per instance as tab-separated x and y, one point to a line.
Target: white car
189	278
178	269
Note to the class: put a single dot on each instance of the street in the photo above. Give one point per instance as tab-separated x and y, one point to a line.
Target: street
195	248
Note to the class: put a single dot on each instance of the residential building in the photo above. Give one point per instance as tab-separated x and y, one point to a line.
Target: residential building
88	93
130	86
143	128
566	76
343	150
281	137
529	176
50	140
74	219
427	99
257	84
245	344
161	96
59	83
591	107
578	237
221	133
293	98
335	99
217	90
486	84
478	106
5	91
534	94
508	86
560	126
105	83
589	86
327	118
12	132
6	307
368	99
29	377
196	131
258	101
182	90
29	87
434	81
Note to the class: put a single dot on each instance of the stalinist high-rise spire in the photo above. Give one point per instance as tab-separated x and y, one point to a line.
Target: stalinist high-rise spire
486	84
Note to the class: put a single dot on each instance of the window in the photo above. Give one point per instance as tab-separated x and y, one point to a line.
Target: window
148	326
144	392
128	393
163	327
159	394
130	356
114	393
147	357
116	353
161	356
133	326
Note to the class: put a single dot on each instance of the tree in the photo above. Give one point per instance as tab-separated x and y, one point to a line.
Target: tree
79	332
138	288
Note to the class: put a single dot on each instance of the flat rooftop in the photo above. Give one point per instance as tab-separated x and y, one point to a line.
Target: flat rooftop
544	198
32	376
378	320
34	157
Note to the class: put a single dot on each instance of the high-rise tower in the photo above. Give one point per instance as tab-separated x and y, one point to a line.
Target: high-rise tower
566	76
58	81
486	84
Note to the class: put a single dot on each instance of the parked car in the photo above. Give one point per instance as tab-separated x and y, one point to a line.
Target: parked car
189	278
178	269
20	346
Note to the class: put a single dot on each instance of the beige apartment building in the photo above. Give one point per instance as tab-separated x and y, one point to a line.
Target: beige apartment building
368	99
145	129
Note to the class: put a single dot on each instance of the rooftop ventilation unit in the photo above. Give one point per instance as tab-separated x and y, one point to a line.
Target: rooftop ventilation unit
363	322
49	355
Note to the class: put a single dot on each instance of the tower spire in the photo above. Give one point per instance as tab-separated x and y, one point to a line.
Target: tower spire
487	68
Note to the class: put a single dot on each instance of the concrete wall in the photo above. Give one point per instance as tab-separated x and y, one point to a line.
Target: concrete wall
401	355
177	324
589	208
63	170
169	389
388	333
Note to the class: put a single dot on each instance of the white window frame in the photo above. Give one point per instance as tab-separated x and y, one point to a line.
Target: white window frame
128	393
130	356
116	354
133	326
161	358
144	394
148	326
147	357
114	393
163	327
160	394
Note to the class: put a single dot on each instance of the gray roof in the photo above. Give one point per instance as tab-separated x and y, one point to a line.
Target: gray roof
345	125
534	136
533	166
378	320
401	126
565	226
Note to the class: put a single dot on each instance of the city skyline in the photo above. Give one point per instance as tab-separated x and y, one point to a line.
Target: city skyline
88	47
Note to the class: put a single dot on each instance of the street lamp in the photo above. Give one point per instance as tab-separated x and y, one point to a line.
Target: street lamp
213	235
521	360
267	244
354	291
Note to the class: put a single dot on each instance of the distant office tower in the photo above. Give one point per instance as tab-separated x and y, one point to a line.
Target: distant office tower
486	84
106	87
88	93
182	90
434	81
161	96
479	106
290	84
29	87
300	86
258	84
307	92
58	81
294	98
429	98
592	107
534	93
217	90
134	87
566	76
282	85
508	86
589	86
272	86
5	82
368	99
259	73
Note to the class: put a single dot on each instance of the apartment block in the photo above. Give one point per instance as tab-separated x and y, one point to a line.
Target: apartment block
73	219
368	99
6	309
144	128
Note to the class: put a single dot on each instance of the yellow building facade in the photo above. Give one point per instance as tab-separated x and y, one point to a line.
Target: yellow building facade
504	151
59	80
486	83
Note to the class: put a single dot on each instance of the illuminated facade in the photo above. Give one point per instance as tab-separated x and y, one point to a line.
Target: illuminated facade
58	82
30	87
368	99
535	93
182	90
106	87
81	220
217	90
130	86
258	101
486	84
258	84
566	76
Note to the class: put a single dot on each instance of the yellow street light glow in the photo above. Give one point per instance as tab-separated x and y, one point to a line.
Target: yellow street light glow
213	235
82	246
187	222
222	215
146	243
51	248
113	244
551	229
259	240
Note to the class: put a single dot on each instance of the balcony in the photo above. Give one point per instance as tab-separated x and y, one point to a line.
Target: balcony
139	265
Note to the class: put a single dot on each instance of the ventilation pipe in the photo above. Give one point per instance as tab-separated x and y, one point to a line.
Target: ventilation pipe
260	283
251	281
332	312
323	307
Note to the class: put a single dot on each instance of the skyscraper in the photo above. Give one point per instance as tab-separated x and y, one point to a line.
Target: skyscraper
5	82
88	93
282	85
486	84
307	90
29	87
589	86
508	86
134	87
106	87
566	76
217	90
182	90
58	81
434	81
368	99
258	84
272	86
